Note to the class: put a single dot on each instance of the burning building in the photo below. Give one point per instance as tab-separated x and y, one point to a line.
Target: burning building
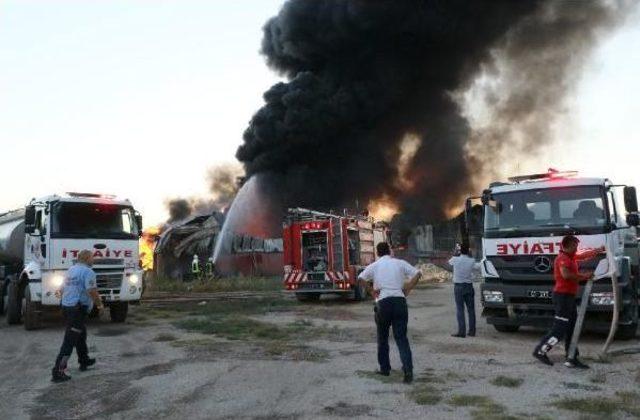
180	241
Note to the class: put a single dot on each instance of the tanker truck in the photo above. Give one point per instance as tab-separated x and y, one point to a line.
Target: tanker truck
39	242
522	223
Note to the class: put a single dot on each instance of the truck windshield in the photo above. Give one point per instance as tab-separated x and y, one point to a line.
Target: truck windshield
538	212
89	220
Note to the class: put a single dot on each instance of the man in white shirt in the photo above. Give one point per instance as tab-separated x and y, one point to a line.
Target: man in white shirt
386	278
463	268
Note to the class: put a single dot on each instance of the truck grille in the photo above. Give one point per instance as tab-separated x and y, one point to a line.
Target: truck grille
109	280
523	267
108	261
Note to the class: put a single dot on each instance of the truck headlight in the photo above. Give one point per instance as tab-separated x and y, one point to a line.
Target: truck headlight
56	281
133	279
492	296
605	298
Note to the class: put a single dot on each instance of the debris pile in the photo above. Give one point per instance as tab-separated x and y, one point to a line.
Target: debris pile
434	274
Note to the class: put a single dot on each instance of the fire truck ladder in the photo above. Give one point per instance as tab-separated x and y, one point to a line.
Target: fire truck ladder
336	239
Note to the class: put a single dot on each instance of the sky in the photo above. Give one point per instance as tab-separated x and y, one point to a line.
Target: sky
140	97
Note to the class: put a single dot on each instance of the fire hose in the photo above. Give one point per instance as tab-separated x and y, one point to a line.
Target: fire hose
614	321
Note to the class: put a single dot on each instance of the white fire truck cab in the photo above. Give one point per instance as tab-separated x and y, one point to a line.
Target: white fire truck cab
39	242
324	253
522	224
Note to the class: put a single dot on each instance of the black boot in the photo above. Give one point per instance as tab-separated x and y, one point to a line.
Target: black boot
58	376
84	365
408	377
575	363
542	357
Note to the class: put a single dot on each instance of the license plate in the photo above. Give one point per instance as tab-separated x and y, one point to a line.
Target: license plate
540	294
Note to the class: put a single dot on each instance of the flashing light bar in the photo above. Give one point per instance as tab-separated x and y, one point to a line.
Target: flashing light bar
91	195
550	174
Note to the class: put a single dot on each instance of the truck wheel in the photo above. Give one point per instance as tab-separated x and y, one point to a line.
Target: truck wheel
31	311
3	296
507	328
308	297
14	303
359	292
627	332
118	311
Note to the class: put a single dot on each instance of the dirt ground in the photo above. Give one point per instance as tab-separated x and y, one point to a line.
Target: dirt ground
242	358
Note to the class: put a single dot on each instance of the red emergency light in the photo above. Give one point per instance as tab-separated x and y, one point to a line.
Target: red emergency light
312	225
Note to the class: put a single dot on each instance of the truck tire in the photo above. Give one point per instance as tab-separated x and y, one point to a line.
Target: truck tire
118	311
3	296
14	303
31	311
308	297
627	332
359	292
506	328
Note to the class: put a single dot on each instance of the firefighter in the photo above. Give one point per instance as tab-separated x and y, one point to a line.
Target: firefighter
195	267
567	277
386	279
79	294
209	268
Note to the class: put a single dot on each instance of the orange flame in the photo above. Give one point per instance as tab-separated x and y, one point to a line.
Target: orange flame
146	247
383	209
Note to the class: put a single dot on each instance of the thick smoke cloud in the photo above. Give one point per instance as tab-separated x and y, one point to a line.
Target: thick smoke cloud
179	209
365	75
223	187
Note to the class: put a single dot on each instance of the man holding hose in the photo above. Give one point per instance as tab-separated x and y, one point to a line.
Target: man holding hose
567	277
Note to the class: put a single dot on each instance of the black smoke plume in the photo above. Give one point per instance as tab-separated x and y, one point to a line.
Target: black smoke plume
363	76
223	187
179	209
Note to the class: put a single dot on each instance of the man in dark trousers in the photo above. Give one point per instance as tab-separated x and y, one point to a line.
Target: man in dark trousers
463	268
386	279
79	294
567	277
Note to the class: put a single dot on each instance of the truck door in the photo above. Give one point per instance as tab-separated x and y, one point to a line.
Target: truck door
36	243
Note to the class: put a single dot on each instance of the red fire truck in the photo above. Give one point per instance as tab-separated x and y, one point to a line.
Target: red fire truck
324	253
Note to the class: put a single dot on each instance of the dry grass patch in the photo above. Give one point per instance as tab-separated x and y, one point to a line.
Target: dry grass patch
227	284
484	408
507	381
604	407
163	337
424	394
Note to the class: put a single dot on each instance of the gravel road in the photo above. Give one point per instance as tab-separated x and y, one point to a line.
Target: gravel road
319	367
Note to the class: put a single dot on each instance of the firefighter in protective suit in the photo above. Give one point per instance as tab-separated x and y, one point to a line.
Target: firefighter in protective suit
195	267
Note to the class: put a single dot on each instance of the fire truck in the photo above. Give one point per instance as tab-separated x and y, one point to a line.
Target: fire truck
522	223
39	242
324	252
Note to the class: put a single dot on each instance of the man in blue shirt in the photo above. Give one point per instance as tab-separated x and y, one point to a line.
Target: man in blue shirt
79	294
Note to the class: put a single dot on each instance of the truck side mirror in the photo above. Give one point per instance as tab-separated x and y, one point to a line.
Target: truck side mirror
30	219
630	199
633	219
486	197
139	224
